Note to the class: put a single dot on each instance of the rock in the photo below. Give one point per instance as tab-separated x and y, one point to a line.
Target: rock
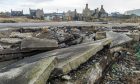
38	44
117	54
63	45
116	49
76	41
88	38
21	35
135	36
95	74
64	37
66	77
1	48
128	53
100	35
10	40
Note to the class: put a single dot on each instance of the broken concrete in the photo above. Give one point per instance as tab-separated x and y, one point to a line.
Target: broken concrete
10	40
38	44
36	69
116	49
6	63
10	54
96	72
100	35
135	36
117	38
74	58
32	70
20	35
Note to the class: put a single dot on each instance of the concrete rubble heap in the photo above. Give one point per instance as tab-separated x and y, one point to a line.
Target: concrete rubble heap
66	55
28	69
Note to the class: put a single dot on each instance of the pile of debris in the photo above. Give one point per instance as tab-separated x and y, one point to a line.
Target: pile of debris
21	41
94	56
124	69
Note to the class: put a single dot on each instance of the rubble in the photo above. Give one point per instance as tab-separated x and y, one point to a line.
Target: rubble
100	35
88	72
20	35
66	77
135	35
32	69
64	55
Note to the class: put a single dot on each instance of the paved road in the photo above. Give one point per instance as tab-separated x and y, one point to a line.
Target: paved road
78	23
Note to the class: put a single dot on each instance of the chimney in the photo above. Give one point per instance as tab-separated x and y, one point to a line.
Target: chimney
101	6
86	5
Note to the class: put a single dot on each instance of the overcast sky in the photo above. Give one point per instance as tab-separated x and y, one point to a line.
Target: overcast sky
65	5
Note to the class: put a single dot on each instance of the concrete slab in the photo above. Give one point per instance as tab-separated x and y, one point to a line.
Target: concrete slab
77	55
118	39
6	63
36	69
38	44
28	71
10	40
135	36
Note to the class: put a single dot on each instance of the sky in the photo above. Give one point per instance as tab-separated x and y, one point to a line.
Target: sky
65	5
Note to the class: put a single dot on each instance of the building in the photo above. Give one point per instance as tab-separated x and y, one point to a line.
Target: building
39	13
90	14
71	15
96	13
102	13
87	13
54	16
17	13
116	14
131	12
5	14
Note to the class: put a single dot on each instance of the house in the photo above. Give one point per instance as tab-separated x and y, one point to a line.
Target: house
102	13
39	13
17	13
72	15
54	16
5	14
87	13
90	14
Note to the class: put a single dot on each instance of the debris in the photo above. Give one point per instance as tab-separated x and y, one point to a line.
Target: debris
100	35
66	77
20	35
135	36
76	55
116	49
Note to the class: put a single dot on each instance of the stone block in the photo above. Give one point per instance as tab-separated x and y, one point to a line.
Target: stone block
38	44
33	70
